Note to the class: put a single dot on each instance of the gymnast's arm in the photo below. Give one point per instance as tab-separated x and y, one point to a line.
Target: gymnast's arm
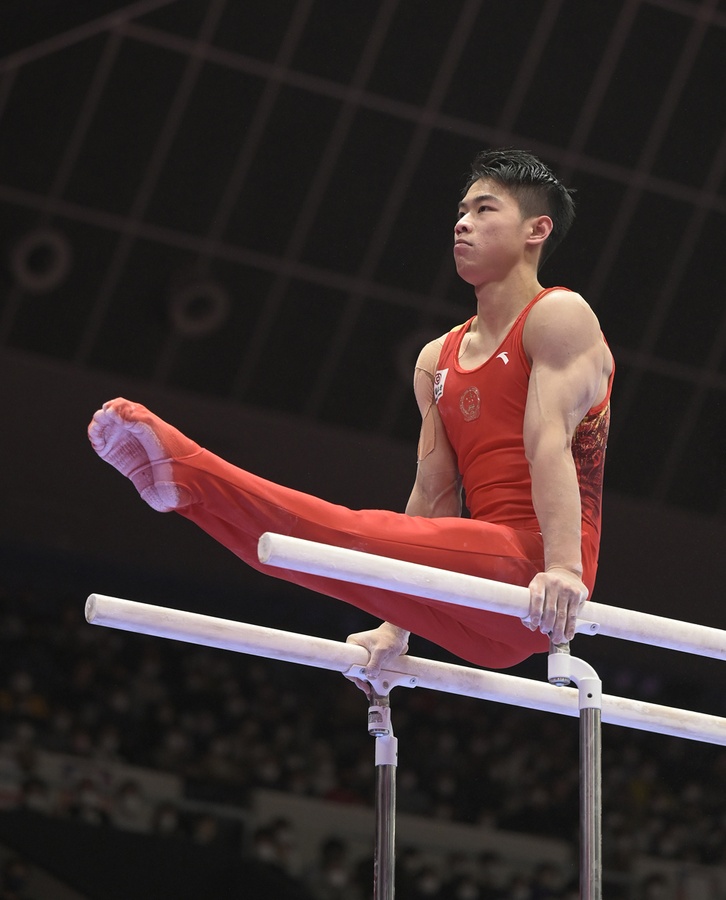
437	487
570	369
436	492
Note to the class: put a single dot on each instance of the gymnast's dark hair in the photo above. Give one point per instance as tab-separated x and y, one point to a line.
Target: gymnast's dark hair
534	186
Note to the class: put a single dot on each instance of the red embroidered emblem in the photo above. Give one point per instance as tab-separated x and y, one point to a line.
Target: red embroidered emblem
470	404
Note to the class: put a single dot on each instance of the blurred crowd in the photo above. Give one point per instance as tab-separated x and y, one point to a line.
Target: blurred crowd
227	724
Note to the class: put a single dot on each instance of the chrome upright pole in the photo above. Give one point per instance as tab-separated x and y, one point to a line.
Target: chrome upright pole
590	804
562	669
379	725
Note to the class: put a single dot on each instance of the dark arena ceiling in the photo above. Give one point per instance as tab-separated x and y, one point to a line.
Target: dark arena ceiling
254	201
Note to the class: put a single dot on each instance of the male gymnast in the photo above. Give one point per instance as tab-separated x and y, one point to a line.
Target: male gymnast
515	408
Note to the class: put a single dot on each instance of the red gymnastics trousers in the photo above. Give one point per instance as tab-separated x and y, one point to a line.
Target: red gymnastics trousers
235	507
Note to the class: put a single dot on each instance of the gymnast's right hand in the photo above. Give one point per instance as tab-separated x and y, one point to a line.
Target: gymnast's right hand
384	644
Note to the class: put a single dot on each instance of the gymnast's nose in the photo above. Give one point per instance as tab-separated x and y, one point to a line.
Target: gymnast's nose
462	226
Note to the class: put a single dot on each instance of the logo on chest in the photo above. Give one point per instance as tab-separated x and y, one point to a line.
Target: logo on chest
439	382
470	404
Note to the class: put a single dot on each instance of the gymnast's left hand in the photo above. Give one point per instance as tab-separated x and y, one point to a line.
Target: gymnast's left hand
384	644
555	599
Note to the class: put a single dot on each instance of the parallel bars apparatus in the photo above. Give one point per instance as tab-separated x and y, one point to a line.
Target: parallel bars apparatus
587	702
406	671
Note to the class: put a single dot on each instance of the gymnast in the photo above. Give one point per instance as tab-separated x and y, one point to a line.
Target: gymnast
515	408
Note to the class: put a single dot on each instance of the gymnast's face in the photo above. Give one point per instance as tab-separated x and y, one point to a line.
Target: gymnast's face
491	234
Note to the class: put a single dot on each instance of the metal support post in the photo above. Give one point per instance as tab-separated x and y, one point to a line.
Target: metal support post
563	669
379	725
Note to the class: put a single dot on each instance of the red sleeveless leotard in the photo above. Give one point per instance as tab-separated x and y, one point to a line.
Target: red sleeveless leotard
483	412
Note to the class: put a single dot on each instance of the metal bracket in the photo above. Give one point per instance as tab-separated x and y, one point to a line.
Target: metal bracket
385	681
583	626
381	728
563	668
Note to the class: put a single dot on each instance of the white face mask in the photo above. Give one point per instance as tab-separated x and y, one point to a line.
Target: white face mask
167	822
337	878
89	797
37	800
266	851
429	885
132	803
520	892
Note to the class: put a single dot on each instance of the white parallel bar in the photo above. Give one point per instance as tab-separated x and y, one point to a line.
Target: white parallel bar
321	653
480	593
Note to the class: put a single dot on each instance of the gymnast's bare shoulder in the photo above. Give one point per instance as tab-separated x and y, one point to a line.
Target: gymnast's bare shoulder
425	371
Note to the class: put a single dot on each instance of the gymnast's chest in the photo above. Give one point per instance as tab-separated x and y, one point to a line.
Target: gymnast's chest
484	405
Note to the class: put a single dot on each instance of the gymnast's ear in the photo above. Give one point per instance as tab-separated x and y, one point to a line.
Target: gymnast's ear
540	228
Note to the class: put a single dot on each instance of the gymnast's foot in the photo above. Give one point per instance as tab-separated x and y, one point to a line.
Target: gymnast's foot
142	447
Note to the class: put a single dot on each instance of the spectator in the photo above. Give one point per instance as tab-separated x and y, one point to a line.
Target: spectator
332	877
15	875
130	810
